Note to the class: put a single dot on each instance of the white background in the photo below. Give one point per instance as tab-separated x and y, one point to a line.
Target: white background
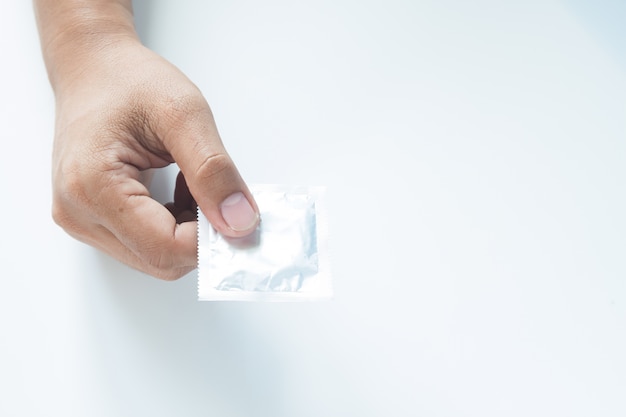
474	153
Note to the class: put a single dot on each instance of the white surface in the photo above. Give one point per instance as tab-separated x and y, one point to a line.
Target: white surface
475	157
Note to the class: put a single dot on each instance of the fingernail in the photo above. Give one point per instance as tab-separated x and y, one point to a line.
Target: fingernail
238	212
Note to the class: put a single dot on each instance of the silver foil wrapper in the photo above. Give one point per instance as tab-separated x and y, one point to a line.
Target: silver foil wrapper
285	259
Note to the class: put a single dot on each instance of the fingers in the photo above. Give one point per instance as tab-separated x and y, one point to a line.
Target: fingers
148	229
190	136
112	211
102	239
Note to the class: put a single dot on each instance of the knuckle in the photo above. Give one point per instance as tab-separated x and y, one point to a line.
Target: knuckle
163	264
60	215
161	260
182	109
69	192
213	165
165	258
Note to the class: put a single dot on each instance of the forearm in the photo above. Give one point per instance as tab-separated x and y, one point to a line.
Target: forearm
72	30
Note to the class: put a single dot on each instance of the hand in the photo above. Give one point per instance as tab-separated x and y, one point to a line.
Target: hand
125	110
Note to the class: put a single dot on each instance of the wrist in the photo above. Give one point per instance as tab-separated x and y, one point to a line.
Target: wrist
77	35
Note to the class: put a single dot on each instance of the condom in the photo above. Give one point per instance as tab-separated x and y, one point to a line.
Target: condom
285	259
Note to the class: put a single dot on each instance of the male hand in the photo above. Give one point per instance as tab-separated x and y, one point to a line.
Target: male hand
122	110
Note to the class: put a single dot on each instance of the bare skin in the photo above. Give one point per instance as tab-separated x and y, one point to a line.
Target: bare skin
121	110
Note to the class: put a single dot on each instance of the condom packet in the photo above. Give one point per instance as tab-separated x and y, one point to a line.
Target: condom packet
285	259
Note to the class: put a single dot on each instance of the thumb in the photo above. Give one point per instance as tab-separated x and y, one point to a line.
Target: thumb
192	139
